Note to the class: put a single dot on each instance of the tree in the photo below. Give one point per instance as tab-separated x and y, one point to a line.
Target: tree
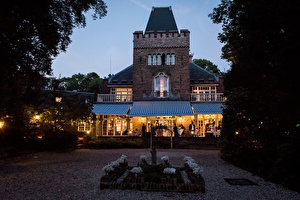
261	41
32	34
90	82
71	107
208	65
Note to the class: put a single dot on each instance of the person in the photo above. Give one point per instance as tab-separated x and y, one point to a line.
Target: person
175	129
181	130
159	130
192	128
143	130
136	132
214	129
198	131
125	132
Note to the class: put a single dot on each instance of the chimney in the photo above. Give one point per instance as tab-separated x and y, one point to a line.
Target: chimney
191	57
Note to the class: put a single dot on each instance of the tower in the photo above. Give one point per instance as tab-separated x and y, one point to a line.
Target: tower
161	59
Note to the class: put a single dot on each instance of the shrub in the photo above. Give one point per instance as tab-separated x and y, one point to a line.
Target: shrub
59	140
116	143
184	144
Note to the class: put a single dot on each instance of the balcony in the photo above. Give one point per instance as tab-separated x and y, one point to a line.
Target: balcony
215	97
114	97
204	97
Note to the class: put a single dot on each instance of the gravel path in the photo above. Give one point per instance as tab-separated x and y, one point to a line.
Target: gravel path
76	175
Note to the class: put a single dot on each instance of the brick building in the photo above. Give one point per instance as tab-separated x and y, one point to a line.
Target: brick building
162	88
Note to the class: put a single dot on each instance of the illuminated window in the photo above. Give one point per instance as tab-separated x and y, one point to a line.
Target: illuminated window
161	85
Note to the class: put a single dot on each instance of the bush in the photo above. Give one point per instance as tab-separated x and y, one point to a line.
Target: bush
184	144
116	143
59	140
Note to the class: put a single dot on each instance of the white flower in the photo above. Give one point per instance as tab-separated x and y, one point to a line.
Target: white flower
165	158
136	170
108	168
114	164
198	170
122	159
143	158
169	170
192	165
186	158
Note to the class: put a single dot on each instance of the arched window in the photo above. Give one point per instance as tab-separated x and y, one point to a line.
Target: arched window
172	59
149	59
154	59
158	59
161	85
168	59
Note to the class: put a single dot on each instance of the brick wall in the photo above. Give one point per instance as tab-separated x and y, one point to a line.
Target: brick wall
143	75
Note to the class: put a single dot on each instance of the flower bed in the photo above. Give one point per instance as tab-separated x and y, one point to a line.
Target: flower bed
160	177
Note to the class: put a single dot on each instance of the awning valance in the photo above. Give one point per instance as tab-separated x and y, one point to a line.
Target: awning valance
161	108
207	108
111	108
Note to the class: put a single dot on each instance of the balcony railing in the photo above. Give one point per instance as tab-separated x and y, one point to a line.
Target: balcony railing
213	97
114	97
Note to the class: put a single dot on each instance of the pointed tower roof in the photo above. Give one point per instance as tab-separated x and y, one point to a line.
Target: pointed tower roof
161	19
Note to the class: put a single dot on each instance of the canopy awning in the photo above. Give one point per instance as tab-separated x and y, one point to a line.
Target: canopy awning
207	108
161	108
111	108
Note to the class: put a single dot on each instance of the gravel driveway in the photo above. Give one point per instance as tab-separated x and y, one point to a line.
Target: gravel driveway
76	175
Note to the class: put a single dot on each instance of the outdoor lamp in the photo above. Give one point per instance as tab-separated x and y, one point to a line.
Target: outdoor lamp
37	117
58	99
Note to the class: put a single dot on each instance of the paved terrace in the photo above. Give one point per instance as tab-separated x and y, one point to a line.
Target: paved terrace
76	175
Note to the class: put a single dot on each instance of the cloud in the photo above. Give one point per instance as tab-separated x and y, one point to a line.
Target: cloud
136	2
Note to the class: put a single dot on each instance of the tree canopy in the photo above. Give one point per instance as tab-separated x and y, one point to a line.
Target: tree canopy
32	34
261	114
208	65
90	82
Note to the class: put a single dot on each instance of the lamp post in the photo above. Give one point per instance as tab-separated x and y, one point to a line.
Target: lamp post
58	100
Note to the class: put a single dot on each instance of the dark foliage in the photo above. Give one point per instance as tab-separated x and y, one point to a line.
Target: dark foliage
261	114
32	34
59	140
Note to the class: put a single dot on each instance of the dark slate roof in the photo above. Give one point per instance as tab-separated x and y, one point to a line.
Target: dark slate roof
197	75
123	77
200	75
161	19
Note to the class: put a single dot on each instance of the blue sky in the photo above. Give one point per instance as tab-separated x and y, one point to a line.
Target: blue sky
105	45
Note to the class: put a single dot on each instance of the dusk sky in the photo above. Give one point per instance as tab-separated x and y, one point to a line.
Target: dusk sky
105	46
